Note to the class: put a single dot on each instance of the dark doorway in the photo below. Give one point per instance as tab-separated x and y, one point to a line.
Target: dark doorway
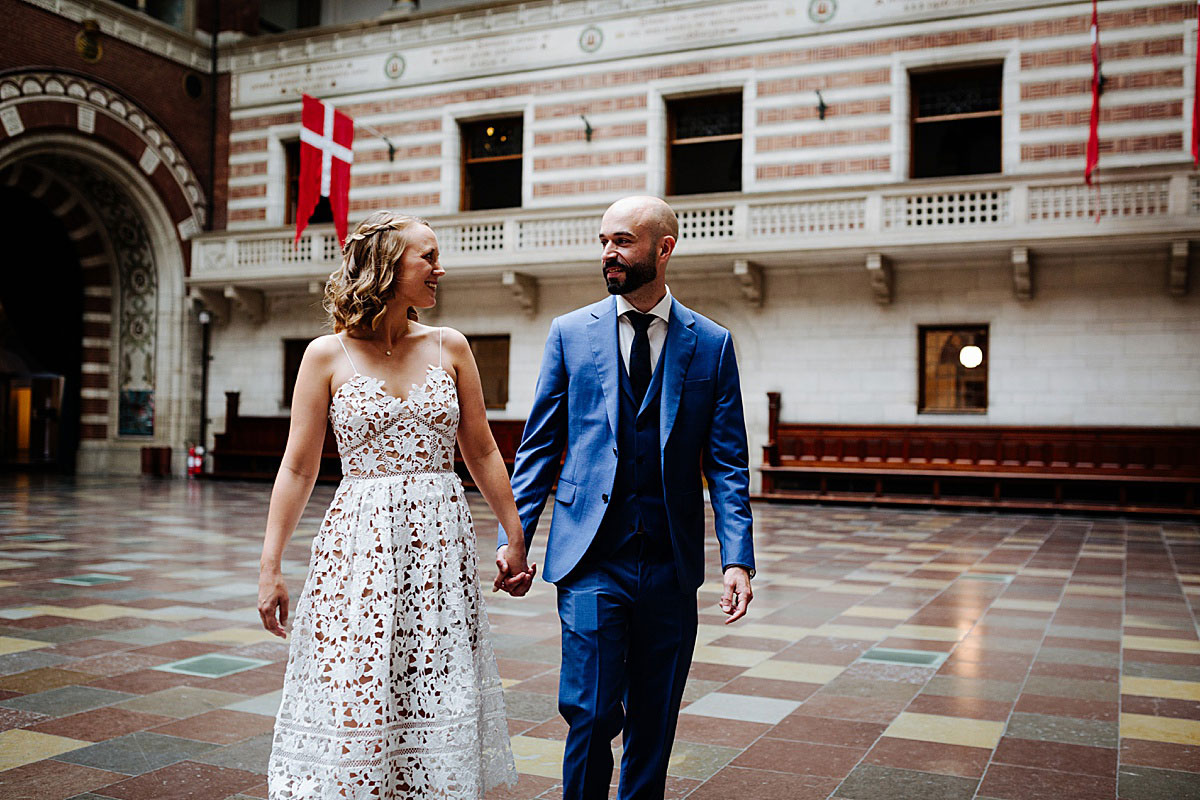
41	337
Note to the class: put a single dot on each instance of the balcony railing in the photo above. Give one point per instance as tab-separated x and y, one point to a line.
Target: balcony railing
1016	211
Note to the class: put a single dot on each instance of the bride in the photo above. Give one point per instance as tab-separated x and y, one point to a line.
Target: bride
391	689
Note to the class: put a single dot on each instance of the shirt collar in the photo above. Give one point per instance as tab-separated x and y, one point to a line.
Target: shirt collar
662	310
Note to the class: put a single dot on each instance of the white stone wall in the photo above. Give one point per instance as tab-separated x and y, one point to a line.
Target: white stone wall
1100	343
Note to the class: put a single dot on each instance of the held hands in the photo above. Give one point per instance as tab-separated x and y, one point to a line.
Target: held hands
272	600
737	596
512	573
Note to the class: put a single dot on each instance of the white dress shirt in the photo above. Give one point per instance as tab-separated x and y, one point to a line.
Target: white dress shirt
656	333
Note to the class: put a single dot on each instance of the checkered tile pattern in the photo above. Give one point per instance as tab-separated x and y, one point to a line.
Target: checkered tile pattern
888	654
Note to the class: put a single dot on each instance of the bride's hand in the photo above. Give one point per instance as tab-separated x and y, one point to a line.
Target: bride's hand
272	601
513	575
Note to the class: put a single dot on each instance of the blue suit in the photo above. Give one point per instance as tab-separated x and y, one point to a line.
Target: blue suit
626	581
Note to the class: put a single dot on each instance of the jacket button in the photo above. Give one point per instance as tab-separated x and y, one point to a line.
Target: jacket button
604	497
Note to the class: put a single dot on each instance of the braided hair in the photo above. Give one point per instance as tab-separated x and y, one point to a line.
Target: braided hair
357	292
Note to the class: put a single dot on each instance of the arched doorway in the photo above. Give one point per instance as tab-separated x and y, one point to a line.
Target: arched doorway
125	201
86	318
41	337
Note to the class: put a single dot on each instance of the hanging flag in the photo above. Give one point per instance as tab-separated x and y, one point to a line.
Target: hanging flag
1093	144
1196	100
325	156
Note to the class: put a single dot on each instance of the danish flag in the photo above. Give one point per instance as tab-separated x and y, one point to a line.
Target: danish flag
1196	102
1093	143
326	136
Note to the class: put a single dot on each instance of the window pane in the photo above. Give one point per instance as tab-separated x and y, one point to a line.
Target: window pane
293	352
490	138
706	116
959	91
323	211
495	184
706	167
947	382
491	356
958	147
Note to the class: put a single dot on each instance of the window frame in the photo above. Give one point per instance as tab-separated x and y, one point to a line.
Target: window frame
289	379
466	160
291	186
914	120
669	102
975	327
499	404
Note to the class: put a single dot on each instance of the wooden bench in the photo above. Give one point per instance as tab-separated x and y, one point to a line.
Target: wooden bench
1122	469
252	447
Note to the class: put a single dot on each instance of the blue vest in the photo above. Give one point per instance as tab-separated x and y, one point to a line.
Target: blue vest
637	502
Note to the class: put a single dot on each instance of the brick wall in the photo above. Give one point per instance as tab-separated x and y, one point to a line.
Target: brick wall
47	41
862	76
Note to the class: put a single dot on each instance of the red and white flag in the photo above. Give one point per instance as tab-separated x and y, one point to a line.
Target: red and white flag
1196	101
1093	144
326	137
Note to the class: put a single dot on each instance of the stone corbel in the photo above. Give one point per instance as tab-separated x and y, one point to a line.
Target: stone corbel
211	300
250	302
1022	272
750	278
882	279
524	290
1177	269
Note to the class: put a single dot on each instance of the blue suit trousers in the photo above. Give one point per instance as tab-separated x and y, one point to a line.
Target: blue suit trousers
628	635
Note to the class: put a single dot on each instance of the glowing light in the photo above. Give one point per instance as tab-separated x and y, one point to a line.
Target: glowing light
970	356
491	131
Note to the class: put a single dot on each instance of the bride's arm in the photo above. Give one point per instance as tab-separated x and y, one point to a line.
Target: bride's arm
297	474
484	462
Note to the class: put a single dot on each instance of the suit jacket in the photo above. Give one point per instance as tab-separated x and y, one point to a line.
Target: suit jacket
701	426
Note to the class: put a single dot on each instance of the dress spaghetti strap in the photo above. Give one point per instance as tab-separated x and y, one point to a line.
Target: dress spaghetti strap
347	352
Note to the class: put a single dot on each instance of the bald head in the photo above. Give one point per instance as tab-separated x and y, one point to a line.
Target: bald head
651	214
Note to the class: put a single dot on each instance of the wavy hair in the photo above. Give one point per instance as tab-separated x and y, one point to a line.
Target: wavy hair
357	292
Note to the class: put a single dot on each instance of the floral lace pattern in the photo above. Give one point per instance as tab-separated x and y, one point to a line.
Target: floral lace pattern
392	691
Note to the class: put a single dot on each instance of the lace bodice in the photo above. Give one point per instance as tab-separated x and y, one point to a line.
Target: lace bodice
379	434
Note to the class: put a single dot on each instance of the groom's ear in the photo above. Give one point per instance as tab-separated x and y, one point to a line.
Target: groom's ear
666	246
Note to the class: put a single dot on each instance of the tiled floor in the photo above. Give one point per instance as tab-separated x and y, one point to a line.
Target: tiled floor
906	655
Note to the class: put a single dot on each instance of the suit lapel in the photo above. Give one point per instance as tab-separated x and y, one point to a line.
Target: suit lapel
602	334
676	356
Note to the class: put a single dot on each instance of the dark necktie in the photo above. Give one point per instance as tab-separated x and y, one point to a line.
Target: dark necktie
639	355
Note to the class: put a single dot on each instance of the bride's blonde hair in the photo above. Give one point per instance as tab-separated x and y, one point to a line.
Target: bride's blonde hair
357	292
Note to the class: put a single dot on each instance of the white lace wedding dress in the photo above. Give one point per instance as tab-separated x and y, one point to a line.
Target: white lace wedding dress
391	690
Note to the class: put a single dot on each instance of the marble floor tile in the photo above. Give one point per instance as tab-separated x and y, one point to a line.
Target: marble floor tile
135	753
946	730
53	780
65	700
767	710
20	747
1160	729
875	782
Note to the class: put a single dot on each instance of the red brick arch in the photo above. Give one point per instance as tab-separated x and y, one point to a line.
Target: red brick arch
39	102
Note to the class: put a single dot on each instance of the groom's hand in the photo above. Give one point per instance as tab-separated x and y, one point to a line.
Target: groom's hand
737	595
512	574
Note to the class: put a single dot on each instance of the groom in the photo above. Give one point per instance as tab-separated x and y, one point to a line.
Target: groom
641	392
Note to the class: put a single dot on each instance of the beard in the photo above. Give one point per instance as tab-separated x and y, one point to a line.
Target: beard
637	275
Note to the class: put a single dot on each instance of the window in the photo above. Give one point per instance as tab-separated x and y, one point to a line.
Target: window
704	144
293	352
956	121
323	212
276	16
491	356
954	363
491	175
